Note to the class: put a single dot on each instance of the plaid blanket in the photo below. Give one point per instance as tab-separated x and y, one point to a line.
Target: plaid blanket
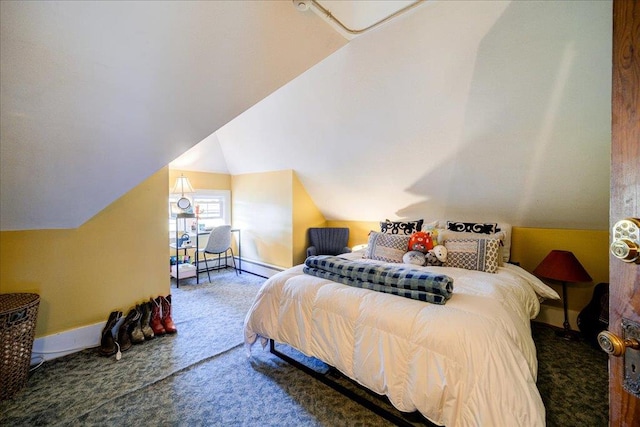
391	279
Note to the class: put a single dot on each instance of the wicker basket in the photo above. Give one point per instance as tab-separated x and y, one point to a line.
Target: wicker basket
18	313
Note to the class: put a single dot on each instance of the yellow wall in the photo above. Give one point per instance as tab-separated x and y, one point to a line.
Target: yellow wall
262	209
274	211
305	215
591	247
358	230
113	261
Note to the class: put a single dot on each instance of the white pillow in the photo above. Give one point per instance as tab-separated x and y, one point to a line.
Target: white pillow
413	257
538	285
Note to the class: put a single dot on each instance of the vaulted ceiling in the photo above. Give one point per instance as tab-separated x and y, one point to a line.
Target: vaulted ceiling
490	110
97	96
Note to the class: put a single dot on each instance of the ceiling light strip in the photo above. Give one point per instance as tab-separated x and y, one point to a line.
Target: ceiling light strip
330	16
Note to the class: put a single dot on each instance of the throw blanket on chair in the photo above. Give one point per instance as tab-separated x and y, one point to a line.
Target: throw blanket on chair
391	279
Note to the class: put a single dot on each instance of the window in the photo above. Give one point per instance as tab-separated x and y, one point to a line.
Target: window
212	207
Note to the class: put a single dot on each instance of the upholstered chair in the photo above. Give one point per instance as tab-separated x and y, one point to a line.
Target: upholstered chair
328	241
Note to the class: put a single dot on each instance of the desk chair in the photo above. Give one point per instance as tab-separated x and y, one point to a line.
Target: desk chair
219	243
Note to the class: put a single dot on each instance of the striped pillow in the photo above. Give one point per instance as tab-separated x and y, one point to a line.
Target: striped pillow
473	254
387	247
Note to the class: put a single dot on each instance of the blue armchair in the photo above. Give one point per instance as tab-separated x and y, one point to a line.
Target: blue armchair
328	241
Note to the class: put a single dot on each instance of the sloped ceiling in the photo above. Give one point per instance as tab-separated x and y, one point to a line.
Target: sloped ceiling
97	96
465	110
478	110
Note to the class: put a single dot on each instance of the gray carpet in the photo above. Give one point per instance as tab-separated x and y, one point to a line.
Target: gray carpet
201	376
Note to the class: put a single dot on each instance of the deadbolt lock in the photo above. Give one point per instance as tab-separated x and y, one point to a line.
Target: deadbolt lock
626	240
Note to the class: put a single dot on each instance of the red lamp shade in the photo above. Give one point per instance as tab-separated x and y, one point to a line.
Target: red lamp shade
562	266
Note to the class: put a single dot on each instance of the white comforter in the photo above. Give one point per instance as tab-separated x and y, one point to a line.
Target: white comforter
470	362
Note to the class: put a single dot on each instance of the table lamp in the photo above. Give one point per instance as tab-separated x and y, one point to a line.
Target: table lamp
564	267
182	187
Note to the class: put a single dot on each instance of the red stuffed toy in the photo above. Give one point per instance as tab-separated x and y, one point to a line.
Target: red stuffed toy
421	242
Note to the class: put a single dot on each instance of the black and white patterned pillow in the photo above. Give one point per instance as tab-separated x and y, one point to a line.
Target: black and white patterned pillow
472	227
401	227
387	247
473	254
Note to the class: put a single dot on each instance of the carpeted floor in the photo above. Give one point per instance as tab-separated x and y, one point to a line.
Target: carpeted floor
573	380
201	376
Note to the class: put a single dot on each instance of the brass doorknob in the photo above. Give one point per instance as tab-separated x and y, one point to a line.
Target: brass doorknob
614	345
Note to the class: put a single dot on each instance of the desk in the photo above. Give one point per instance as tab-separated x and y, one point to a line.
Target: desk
195	272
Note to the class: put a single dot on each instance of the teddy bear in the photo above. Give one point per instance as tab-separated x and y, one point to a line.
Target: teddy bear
436	256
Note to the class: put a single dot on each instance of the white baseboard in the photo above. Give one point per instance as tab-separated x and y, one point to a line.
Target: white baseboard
555	316
67	342
57	345
259	269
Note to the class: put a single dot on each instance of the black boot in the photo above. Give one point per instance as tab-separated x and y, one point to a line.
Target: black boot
107	343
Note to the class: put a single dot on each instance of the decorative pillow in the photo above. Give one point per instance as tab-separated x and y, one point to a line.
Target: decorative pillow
473	227
413	257
448	235
387	247
401	227
473	254
503	230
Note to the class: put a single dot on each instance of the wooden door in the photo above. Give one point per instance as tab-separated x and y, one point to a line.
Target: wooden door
625	193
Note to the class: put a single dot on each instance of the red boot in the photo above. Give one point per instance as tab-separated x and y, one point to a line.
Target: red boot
167	322
156	317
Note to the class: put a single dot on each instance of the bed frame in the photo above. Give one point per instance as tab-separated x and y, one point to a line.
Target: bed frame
404	419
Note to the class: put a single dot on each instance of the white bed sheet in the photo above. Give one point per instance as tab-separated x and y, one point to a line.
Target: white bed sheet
470	362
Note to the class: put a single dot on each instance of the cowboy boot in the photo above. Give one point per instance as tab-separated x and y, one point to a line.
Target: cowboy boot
147	331
124	334
167	322
107	342
156	321
137	336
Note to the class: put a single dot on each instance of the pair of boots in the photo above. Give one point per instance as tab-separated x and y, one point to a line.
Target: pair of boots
161	322
143	322
130	331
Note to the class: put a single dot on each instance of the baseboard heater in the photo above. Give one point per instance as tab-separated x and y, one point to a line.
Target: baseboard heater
404	420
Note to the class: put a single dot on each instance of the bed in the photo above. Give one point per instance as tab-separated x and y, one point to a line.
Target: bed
468	362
